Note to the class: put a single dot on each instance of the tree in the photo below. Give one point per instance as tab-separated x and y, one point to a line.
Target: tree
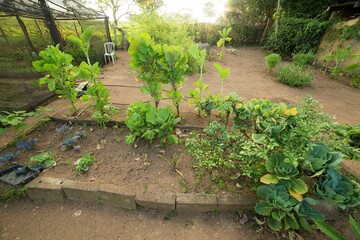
209	9
119	8
149	6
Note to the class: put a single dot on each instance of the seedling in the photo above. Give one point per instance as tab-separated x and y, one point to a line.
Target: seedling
224	38
29	144
223	74
83	164
45	158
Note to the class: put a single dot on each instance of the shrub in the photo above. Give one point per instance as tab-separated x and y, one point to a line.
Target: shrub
272	60
148	122
302	59
296	35
294	76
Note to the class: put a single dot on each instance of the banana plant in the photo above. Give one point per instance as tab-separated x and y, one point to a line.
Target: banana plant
224	38
173	65
223	74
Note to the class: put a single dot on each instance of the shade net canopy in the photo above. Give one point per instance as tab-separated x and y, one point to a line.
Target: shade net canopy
60	9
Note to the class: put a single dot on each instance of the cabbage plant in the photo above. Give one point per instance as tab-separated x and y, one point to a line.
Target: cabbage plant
338	189
318	158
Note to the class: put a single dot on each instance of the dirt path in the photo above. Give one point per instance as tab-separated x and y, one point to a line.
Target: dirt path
70	220
249	79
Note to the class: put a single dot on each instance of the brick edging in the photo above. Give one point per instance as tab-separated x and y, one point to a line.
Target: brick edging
54	189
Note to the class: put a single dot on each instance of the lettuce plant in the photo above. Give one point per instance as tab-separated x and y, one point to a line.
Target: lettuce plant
83	163
318	158
148	122
44	158
338	189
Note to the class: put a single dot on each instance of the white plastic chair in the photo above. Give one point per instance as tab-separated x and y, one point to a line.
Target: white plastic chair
109	51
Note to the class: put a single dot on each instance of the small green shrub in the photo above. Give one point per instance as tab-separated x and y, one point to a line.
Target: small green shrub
44	158
272	61
83	164
148	122
302	59
296	35
294	76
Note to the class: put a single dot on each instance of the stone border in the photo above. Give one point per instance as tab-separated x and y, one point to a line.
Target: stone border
54	189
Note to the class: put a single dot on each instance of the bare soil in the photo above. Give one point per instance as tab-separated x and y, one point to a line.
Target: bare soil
149	168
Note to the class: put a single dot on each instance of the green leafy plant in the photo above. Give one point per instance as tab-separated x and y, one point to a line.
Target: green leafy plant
209	103
144	57
338	189
336	59
15	119
223	74
148	122
224	38
335	235
173	65
61	73
354	71
302	59
200	58
294	76
284	211
272	60
83	163
196	94
227	104
13	194
284	171
44	158
318	158
96	92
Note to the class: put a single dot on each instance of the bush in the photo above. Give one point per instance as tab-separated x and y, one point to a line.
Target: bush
296	35
294	76
272	60
302	59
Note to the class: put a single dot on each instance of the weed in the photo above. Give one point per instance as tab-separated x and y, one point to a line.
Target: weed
272	61
170	215
13	194
294	76
184	185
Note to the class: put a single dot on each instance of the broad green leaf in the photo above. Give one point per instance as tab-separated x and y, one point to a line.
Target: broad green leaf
278	214
355	227
290	220
263	208
299	186
296	195
274	224
269	179
51	85
220	42
305	225
328	230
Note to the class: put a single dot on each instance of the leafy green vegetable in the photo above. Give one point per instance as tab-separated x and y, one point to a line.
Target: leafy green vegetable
338	189
272	60
44	158
149	123
83	164
318	159
282	210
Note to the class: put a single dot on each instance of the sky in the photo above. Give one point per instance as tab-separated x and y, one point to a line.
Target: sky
193	7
